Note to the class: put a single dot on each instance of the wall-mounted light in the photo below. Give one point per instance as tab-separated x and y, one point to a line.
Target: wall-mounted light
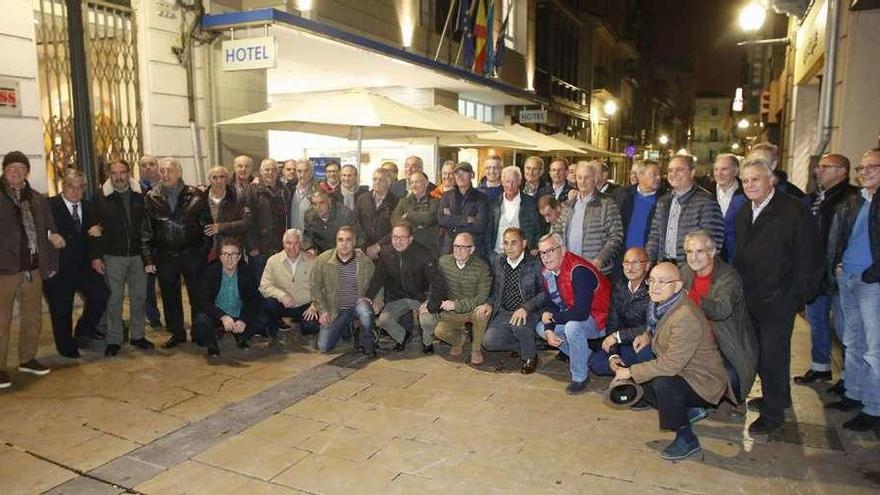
610	107
734	146
752	17
663	139
682	151
743	124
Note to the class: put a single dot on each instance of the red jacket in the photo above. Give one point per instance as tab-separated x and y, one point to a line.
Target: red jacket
600	300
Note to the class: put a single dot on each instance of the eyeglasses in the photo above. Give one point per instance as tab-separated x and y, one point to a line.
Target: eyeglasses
868	169
462	246
661	283
634	262
548	252
230	255
215	177
826	167
401	238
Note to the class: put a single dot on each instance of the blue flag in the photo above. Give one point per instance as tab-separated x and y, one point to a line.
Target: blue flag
462	20
500	46
490	45
466	10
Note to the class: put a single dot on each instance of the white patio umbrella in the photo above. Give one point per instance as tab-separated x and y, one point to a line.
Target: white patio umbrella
588	148
356	114
542	141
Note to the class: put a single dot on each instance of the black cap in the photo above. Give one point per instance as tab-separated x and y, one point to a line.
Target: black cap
464	167
16	157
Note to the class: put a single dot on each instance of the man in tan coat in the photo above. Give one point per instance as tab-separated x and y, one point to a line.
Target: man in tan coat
688	373
285	286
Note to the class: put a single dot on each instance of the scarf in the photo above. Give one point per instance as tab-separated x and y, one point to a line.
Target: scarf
656	312
22	200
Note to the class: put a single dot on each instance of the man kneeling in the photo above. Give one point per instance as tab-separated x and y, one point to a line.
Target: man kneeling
687	373
285	286
228	297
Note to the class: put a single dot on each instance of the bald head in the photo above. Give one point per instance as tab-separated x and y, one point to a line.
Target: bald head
635	264
664	282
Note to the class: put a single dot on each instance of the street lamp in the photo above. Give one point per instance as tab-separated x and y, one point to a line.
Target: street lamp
610	107
734	146
752	17
743	124
663	139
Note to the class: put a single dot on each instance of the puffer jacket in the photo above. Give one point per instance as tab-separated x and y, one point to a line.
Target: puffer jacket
841	227
603	230
629	310
699	211
180	230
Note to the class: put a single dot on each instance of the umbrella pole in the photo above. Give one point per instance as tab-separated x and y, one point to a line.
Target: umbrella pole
360	136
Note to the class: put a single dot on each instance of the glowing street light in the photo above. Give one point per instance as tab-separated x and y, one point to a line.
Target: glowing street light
610	107
663	139
738	100
682	151
743	124
752	17
734	146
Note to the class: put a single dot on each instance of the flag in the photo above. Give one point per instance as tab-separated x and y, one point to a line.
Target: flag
490	46
462	20
500	46
480	34
466	18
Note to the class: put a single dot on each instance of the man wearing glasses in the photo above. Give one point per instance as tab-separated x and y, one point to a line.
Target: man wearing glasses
854	252
229	299
833	188
578	300
468	283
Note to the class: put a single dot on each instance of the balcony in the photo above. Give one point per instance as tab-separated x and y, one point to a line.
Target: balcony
564	95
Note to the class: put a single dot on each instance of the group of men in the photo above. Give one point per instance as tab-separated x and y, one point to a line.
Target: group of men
689	291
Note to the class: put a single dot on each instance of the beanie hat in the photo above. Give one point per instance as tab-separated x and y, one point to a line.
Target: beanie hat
16	157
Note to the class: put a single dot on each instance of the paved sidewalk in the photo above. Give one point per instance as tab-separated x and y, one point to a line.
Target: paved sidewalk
295	421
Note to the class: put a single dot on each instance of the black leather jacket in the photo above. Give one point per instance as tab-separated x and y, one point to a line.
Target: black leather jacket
178	231
841	226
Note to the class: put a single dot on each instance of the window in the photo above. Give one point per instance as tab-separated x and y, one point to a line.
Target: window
712	155
714	110
510	33
713	134
476	111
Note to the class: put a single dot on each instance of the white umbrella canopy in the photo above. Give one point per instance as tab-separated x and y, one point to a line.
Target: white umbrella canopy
587	148
542	141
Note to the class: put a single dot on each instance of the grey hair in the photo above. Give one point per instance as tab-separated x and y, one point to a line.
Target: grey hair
759	163
553	236
512	170
173	162
707	239
292	232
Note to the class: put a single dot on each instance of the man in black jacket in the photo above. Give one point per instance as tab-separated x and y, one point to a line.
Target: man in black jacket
173	243
464	209
409	275
516	301
117	255
229	299
323	220
833	187
779	257
269	203
374	209
512	209
75	220
230	214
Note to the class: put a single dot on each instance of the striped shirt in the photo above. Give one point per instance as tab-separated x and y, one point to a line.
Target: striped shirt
347	292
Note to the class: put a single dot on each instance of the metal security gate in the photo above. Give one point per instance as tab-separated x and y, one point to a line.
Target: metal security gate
111	58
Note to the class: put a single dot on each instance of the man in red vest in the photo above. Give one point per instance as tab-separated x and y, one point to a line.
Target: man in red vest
578	300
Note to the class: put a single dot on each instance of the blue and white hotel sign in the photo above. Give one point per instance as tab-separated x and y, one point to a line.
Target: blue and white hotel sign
249	53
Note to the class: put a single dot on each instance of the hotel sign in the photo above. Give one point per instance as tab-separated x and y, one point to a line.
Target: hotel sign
810	45
249	53
533	116
10	97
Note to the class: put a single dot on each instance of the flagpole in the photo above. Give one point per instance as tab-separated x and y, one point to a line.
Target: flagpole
445	27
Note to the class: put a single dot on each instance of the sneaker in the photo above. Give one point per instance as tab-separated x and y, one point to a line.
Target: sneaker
5	382
213	351
812	376
680	449
34	367
428	349
763	426
838	388
862	422
845	404
697	414
574	388
111	350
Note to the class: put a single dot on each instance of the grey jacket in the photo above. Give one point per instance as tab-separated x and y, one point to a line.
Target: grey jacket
603	230
699	211
725	308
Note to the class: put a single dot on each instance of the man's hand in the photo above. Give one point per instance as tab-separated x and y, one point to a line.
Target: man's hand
98	266
595	262
642	341
286	301
572	194
547	318
423	309
228	323
518	318
377	306
615	362
446	211
552	339
373	251
324	319
212	229
254	252
483	310
95	231
447	305
56	240
310	314
607	342
622	373
239	327
150	268
471	219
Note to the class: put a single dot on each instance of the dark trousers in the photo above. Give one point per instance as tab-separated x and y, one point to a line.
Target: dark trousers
274	311
60	290
151	309
502	336
774	364
672	396
599	359
205	329
169	267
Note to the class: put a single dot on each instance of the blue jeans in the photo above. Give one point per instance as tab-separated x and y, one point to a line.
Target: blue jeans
329	336
819	314
574	335
861	308
599	359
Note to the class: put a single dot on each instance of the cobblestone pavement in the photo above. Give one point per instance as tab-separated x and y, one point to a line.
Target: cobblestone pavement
294	421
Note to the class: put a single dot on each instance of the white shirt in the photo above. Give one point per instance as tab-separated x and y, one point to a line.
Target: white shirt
214	200
724	197
79	209
509	218
515	263
756	210
460	265
293	265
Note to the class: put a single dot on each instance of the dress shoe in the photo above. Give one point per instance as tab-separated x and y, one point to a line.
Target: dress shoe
143	344
845	404
561	356
755	404
5	382
370	351
98	335
33	367
156	324
812	376
574	388
213	351
242	343
529	366
763	426
74	354
680	449
111	350
862	422
173	342
428	349
838	388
